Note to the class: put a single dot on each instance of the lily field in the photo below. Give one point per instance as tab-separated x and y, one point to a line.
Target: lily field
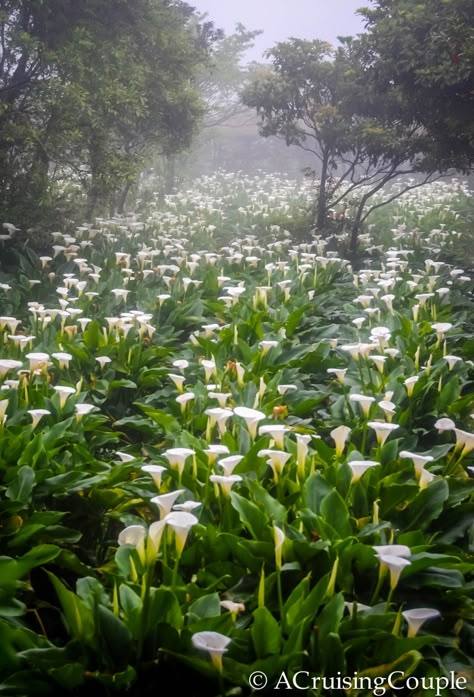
226	449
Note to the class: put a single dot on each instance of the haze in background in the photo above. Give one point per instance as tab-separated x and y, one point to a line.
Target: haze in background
280	19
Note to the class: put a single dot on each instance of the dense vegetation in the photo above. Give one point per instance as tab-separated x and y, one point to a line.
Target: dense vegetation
236	425
217	430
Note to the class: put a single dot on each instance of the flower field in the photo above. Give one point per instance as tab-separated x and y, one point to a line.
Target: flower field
225	451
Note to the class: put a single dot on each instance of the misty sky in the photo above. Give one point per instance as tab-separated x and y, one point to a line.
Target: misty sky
280	19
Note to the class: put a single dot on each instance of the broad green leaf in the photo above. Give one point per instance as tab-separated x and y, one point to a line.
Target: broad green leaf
79	618
22	486
251	516
266	635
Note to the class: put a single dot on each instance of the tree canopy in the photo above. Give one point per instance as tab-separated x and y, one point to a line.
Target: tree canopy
424	53
89	87
310	97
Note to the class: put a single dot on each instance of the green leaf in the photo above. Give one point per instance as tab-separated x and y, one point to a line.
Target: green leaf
251	516
405	665
164	608
266	635
69	676
206	606
273	508
449	395
78	616
330	618
127	384
160	417
316	488
22	486
427	506
335	512
115	637
38	556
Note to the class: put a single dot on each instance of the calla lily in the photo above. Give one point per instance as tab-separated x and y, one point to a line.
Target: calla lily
3	408
229	464
388	409
395	565
187	506
209	369
418	460
214	450
181	523
359	467
464	441
64	392
426	478
165	502
63	359
302	441
441	328
222	398
445	425
283	389
452	360
38	361
277	459
251	418
340	436
178	381
410	384
214	643
156	471
276	431
37	415
393	550
181	364
267	345
7	364
103	360
184	398
125	457
379	362
220	416
177	457
232	607
340	373
382	430
364	401
132	535
226	482
83	409
417	617
279	539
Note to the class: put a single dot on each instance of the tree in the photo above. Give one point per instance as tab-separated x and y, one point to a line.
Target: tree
222	78
92	87
219	81
310	99
424	52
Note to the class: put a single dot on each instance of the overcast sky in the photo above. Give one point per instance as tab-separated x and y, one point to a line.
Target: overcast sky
280	19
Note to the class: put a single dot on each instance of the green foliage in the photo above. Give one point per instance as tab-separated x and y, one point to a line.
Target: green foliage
424	53
310	98
88	91
279	567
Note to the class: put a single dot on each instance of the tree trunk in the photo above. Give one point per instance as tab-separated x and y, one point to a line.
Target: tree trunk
95	193
39	173
170	174
122	198
355	227
321	210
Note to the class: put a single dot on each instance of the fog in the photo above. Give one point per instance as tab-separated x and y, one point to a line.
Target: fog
280	19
